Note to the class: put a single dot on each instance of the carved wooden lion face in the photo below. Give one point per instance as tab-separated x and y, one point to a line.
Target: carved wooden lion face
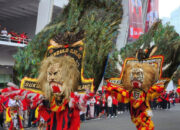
59	76
54	76
139	75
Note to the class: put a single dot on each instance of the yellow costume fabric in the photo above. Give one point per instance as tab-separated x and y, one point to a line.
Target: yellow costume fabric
139	103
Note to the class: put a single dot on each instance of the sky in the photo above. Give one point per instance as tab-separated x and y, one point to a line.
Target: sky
60	3
167	6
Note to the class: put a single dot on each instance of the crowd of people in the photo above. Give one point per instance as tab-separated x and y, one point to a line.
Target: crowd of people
101	105
13	36
164	101
16	112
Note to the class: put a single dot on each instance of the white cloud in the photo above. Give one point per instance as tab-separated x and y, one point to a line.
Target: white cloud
61	3
167	6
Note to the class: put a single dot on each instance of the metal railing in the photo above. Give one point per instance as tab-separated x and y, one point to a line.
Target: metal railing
12	39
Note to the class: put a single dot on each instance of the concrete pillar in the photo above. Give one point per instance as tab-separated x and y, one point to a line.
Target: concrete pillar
144	12
45	11
123	27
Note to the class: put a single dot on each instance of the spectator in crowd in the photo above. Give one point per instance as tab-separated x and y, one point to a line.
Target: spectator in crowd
14	104
172	97
2	108
88	109
103	106
23	38
97	104
25	108
160	102
164	101
13	36
18	38
109	104
82	115
43	115
4	32
115	104
121	108
168	101
154	104
92	102
127	105
32	115
9	37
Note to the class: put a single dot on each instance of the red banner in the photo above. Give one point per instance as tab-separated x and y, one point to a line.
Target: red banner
135	19
152	13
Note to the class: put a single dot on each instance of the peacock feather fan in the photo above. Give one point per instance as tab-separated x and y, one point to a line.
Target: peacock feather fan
167	41
94	21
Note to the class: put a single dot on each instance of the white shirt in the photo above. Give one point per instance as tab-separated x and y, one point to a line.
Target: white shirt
109	101
88	102
4	32
13	103
92	101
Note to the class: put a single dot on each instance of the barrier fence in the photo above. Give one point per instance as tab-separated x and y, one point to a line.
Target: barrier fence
15	39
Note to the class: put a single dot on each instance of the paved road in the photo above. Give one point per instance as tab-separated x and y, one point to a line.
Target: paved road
163	120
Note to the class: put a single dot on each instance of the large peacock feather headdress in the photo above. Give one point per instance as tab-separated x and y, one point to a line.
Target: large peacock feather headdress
95	22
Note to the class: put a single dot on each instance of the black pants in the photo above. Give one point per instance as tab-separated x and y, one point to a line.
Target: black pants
97	109
82	117
1	119
164	104
121	107
154	104
110	111
173	102
114	110
31	117
87	112
168	105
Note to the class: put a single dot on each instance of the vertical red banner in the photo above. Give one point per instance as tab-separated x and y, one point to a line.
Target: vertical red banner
135	19
152	13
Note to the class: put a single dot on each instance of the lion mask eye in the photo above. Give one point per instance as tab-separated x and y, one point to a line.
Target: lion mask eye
55	73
